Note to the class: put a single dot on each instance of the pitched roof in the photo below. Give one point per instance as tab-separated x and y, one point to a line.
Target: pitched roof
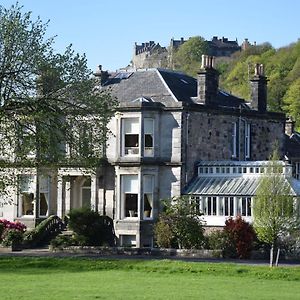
293	145
161	85
234	186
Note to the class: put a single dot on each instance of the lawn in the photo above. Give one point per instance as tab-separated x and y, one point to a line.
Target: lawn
77	278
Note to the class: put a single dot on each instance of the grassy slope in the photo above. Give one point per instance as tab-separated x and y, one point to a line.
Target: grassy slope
48	278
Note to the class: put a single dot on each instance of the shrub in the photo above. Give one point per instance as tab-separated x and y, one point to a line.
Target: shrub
240	237
236	240
11	232
13	225
12	236
62	241
1	231
163	233
179	225
90	228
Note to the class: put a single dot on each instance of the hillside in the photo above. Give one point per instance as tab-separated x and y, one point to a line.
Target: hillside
282	67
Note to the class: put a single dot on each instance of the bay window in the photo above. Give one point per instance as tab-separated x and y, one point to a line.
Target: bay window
137	140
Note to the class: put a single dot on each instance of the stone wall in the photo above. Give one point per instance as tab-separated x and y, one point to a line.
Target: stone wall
209	137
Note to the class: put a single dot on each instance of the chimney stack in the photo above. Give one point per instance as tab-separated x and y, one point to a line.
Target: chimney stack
208	81
259	89
289	126
100	75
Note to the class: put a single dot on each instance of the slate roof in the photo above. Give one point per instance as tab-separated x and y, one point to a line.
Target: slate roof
162	85
292	144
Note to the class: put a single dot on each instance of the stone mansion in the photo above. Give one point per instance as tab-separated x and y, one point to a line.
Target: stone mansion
171	135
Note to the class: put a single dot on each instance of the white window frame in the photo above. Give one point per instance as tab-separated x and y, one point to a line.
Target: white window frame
148	192
247	140
148	151
134	151
234	140
125	191
31	189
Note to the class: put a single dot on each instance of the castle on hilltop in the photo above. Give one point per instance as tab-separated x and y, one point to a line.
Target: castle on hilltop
153	55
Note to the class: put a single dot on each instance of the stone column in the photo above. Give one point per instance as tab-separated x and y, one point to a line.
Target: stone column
68	196
94	192
60	189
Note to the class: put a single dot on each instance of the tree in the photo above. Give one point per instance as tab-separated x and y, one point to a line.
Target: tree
275	214
47	99
292	101
179	225
188	57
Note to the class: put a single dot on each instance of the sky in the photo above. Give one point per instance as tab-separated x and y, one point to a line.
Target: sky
106	30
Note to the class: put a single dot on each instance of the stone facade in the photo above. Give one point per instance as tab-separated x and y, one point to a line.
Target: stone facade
163	127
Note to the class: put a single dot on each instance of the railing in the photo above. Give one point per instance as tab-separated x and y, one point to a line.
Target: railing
44	232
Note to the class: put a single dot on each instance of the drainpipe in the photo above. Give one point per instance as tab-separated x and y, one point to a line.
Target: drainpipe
186	144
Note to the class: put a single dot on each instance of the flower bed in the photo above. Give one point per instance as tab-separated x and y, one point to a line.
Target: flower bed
11	234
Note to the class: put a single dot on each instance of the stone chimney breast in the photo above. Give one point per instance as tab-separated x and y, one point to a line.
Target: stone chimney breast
259	89
208	81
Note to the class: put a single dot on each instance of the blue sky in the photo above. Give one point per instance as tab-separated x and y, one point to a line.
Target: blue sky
106	30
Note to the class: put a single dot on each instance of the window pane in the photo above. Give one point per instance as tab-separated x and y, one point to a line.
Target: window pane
248	206
231	206
148	125
131	140
226	206
131	126
214	204
43	204
148	140
209	206
131	201
86	197
27	203
130	183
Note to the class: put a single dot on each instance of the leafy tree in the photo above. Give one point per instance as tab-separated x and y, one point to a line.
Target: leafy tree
188	56
235	240
46	98
292	101
240	236
275	215
180	225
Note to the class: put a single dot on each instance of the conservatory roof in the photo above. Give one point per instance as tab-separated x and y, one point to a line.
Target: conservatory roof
237	186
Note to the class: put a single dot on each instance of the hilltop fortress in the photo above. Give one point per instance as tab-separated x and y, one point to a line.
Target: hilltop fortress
153	55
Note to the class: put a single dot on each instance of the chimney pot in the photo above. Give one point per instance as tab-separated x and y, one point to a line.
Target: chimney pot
259	89
208	81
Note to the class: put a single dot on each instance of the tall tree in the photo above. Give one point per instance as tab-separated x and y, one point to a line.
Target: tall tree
291	101
48	100
188	57
275	213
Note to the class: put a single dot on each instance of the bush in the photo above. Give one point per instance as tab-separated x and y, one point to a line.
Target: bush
62	241
164	234
90	228
179	226
11	232
240	237
12	236
236	240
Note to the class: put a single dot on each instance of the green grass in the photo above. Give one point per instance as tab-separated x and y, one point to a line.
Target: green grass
77	278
